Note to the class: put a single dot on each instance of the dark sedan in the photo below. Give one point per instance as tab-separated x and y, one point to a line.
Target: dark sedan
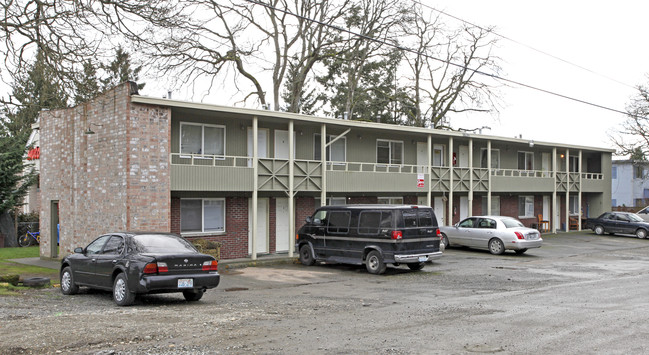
618	223
139	263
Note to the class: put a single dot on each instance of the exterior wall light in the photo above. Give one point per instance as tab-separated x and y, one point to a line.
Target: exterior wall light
90	131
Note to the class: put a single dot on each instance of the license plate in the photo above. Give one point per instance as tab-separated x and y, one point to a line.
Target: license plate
423	258
185	283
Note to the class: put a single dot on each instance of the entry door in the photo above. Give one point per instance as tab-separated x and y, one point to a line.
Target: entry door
546	207
262	226
262	143
281	225
464	207
440	210
281	144
545	166
464	156
422	157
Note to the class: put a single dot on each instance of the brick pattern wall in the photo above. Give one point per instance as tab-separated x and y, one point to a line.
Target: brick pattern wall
90	175
304	207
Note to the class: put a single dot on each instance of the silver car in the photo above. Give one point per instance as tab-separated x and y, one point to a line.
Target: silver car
495	233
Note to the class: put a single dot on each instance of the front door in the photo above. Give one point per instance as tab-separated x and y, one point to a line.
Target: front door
464	207
422	157
440	210
281	225
261	242
106	261
464	156
545	166
281	144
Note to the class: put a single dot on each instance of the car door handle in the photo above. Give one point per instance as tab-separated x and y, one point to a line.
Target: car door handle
114	261
93	260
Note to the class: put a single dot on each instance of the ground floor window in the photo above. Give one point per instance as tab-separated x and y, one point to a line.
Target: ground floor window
202	215
573	207
390	200
495	206
525	206
332	201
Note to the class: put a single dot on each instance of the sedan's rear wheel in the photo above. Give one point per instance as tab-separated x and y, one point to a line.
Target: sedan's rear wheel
521	251
68	287
641	233
496	246
121	293
445	240
599	230
192	296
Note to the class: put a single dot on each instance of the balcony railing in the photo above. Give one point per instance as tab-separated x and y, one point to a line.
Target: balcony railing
522	173
209	160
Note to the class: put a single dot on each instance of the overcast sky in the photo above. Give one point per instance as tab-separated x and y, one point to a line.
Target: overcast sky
608	38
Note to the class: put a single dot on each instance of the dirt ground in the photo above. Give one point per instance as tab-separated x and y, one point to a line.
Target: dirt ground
579	293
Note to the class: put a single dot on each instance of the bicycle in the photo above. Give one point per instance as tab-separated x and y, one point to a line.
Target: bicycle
29	238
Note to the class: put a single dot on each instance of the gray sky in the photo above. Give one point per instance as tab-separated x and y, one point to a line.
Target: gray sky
608	38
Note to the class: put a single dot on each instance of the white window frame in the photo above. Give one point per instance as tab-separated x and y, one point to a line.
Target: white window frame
573	204
316	142
495	156
439	149
390	141
573	163
203	231
528	157
202	125
390	200
529	206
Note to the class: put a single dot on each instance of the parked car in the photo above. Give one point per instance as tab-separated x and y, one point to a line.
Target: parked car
139	263
374	235
644	214
618	223
494	233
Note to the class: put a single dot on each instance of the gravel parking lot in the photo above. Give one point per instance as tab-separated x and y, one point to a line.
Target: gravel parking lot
579	293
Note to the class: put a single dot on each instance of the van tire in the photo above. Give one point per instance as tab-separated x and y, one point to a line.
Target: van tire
374	263
416	266
306	258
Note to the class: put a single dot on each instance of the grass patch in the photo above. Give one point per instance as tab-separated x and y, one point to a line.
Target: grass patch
8	267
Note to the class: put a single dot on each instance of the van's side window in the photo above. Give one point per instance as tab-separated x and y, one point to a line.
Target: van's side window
410	218
368	222
339	222
320	218
386	219
425	218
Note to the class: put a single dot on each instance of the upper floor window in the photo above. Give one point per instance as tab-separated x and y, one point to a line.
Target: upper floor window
614	173
573	164
638	172
205	139
525	161
438	155
495	158
336	151
389	152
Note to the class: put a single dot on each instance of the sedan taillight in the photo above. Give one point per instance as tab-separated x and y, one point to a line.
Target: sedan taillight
150	268
519	235
211	265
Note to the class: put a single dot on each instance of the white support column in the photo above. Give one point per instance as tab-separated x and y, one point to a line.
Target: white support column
323	161
429	147
291	195
555	213
489	175
471	178
567	203
579	195
255	187
450	181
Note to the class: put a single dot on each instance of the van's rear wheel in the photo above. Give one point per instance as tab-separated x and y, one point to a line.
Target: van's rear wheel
416	266
306	258
374	263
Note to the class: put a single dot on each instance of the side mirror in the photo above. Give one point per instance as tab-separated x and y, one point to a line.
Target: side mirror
308	220
78	250
317	222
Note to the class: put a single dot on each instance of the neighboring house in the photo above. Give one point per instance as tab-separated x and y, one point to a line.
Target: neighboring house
629	183
32	201
214	172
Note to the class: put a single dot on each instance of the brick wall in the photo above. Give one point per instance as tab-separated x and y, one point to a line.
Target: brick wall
304	207
116	179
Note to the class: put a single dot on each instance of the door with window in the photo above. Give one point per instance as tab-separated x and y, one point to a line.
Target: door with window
262	144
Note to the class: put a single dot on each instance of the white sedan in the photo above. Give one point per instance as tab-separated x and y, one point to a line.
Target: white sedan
494	233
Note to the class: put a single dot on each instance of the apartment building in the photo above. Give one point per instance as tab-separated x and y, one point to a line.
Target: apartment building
248	178
629	183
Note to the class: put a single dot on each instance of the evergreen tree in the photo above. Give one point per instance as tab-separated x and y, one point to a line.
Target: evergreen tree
87	85
119	70
14	182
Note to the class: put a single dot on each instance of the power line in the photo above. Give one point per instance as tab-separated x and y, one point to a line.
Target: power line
493	76
524	45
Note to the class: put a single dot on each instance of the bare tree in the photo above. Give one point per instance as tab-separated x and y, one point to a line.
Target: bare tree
633	137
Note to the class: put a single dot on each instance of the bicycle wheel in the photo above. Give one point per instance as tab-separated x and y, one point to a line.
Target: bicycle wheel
25	240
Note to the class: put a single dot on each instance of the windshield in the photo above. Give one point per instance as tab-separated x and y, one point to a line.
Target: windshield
162	243
635	218
512	223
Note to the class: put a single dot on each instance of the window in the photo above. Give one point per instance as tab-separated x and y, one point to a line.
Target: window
468	223
525	161
115	246
614	173
202	139
638	172
574	205
526	206
573	164
495	206
638	202
336	151
202	215
332	201
487	223
425	218
96	246
339	222
370	222
390	200
389	152
495	158
614	202
438	155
